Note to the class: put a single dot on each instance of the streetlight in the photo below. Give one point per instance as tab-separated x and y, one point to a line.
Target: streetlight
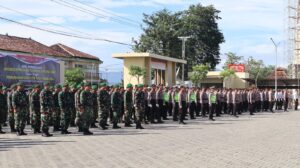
184	39
276	46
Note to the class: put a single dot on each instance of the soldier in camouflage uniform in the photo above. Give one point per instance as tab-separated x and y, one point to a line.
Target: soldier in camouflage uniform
103	99
65	104
73	109
11	119
20	105
56	110
139	104
116	106
35	110
47	104
128	104
95	106
79	108
86	100
5	92
3	108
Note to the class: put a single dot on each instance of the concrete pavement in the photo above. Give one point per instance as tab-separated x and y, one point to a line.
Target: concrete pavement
265	140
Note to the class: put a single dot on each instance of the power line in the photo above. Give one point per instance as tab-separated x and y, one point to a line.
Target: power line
43	20
61	33
104	10
97	14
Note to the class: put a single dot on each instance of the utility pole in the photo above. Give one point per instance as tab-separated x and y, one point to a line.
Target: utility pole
184	39
276	46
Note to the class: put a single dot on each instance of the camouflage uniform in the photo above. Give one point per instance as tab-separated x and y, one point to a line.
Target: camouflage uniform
78	106
116	104
86	99
73	109
139	104
95	107
56	110
65	104
11	119
3	108
35	111
47	104
103	99
128	104
20	105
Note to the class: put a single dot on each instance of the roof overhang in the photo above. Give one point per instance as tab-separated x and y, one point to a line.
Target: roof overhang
149	55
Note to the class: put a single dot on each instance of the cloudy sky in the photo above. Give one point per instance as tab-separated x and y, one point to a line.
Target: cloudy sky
247	24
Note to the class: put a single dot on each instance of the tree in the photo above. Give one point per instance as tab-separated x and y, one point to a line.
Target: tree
74	76
232	58
137	72
254	68
199	73
227	74
163	28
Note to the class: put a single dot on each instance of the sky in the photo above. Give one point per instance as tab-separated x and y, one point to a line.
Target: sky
247	25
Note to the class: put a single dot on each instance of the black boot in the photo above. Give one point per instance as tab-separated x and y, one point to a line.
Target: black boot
94	125
46	133
12	127
1	132
87	132
128	125
139	126
18	132
103	126
115	126
56	129
22	132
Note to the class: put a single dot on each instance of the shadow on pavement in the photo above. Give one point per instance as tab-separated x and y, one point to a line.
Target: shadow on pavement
9	143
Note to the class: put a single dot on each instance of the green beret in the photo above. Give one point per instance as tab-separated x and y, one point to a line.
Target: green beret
94	87
36	86
102	84
129	85
12	86
140	85
87	84
78	86
20	84
47	84
57	86
116	86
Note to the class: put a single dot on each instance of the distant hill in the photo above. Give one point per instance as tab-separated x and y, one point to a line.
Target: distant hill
112	77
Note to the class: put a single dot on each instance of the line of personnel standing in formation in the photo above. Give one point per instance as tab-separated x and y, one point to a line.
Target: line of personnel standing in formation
84	105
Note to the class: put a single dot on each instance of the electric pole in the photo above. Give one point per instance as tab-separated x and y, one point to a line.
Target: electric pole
184	39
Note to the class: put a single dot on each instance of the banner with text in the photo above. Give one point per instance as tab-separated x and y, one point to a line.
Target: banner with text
28	69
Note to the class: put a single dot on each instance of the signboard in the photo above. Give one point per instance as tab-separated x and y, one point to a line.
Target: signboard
237	67
28	69
158	65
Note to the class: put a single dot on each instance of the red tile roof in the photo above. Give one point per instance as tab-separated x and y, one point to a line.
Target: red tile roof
27	45
72	52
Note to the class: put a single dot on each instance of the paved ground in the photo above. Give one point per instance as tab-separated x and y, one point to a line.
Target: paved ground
264	140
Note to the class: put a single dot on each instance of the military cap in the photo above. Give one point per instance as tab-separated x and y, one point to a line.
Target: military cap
57	86
94	87
140	85
36	86
78	86
116	86
20	84
47	84
129	85
102	84
12	86
87	84
65	85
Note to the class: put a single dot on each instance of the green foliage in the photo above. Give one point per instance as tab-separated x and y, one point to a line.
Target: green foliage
74	76
232	58
163	28
227	73
137	72
199	73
